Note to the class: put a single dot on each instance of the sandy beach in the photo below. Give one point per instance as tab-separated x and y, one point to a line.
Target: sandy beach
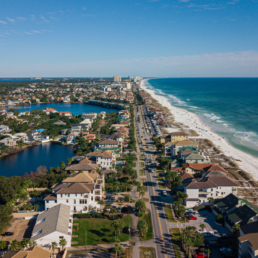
248	162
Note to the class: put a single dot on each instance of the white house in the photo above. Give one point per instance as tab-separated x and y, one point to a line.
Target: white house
52	225
4	129
105	159
80	197
106	144
86	123
207	187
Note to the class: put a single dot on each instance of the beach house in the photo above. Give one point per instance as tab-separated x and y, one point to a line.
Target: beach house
81	192
200	191
172	137
172	148
52	225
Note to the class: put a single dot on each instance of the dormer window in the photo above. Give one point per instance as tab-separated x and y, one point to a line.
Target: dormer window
40	221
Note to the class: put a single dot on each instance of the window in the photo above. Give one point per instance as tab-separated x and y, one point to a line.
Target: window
211	189
61	195
211	194
37	233
74	201
47	201
92	198
67	201
81	194
61	237
68	195
55	201
92	191
40	221
76	195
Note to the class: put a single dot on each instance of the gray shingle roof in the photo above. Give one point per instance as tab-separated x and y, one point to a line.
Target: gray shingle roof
54	219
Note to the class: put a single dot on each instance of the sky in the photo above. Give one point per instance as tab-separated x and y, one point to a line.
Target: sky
149	38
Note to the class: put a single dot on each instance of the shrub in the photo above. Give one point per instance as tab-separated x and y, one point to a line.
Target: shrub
219	219
127	198
201	207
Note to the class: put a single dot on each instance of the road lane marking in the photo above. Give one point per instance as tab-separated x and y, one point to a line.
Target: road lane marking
159	220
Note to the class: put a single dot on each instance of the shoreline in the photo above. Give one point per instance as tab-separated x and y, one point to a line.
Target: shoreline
247	162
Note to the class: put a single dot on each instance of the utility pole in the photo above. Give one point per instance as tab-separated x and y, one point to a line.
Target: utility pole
85	240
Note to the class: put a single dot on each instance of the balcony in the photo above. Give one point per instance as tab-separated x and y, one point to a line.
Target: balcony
86	196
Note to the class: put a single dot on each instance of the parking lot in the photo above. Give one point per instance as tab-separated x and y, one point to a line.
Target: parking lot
208	219
21	229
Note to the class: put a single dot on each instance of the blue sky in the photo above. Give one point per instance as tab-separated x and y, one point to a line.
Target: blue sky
163	38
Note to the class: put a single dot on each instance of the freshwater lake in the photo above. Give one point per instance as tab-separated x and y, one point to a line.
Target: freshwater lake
48	154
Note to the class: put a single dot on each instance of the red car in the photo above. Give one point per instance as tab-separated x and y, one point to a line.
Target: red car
192	218
200	255
147	147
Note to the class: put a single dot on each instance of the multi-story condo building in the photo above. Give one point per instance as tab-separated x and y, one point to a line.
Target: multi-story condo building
207	187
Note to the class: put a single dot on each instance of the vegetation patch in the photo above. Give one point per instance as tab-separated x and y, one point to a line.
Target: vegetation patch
176	239
149	233
169	214
147	252
100	231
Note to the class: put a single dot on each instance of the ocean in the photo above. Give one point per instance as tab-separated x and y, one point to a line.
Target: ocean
228	105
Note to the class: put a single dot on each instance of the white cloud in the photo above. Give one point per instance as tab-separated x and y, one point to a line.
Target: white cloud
36	31
84	8
3	22
10	19
231	64
184	1
21	18
29	33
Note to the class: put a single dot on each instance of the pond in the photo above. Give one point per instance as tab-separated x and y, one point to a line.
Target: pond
48	154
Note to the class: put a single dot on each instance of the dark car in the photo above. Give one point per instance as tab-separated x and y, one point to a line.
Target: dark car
8	234
189	214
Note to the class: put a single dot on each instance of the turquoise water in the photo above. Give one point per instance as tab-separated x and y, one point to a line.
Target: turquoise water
228	105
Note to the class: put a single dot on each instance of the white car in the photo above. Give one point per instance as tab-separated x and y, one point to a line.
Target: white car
164	193
208	234
201	231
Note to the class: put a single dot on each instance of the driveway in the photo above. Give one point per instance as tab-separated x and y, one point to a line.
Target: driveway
21	229
96	254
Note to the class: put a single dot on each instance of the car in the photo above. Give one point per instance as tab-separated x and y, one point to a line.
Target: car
109	202
192	218
224	249
201	230
93	211
164	193
200	255
119	209
8	233
147	147
190	210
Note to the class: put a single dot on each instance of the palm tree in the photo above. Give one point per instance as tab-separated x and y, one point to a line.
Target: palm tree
62	242
53	246
2	245
121	226
14	245
32	243
202	226
115	224
36	207
236	229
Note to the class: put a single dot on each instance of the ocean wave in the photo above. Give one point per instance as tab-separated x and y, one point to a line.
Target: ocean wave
212	116
251	137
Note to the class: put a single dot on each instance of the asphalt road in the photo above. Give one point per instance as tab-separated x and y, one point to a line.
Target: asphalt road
162	238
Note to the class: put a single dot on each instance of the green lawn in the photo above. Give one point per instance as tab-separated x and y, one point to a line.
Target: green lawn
149	235
147	252
162	185
142	164
176	238
99	231
169	214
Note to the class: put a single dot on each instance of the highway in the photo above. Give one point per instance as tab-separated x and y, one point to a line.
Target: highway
162	237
